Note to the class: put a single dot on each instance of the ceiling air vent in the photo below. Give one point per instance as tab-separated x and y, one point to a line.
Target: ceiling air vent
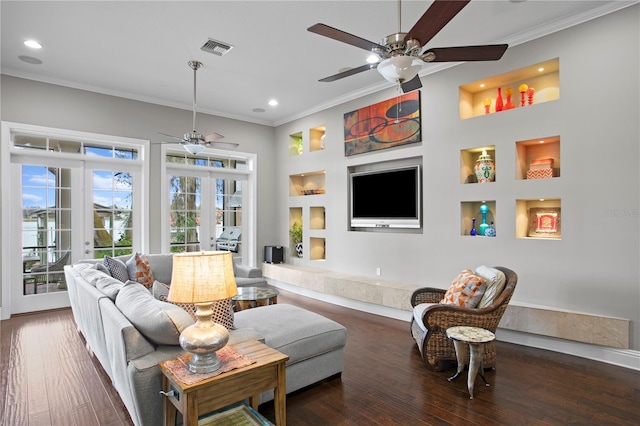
216	47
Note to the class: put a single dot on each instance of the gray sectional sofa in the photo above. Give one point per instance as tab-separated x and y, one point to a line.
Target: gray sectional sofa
314	344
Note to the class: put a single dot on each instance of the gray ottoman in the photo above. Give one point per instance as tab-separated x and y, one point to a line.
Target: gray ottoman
314	344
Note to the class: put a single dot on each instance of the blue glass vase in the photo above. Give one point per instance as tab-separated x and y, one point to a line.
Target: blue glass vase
473	232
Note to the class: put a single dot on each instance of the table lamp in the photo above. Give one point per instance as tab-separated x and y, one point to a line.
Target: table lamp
202	278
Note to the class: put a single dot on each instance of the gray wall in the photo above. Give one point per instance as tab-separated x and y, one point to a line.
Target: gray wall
594	267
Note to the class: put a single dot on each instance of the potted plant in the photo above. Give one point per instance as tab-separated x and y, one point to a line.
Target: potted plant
296	236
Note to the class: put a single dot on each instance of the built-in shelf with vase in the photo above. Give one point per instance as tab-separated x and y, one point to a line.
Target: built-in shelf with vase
478	218
521	88
295	144
311	183
295	230
317	138
477	165
538	158
539	218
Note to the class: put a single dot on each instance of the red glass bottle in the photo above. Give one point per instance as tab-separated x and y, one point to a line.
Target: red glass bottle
499	104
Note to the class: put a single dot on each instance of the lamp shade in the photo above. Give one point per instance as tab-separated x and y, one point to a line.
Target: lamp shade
201	277
398	69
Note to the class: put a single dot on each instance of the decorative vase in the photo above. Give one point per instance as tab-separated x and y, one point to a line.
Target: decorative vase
530	93
491	231
499	104
523	91
487	105
509	105
299	249
482	229
485	168
473	232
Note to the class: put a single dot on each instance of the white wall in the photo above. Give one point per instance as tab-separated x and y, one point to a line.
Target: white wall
594	267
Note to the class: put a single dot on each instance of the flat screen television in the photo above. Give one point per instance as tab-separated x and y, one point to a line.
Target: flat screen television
386	198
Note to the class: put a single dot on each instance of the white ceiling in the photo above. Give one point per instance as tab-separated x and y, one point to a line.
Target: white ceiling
140	50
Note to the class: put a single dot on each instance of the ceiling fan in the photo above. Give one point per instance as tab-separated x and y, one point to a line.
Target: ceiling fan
194	142
399	54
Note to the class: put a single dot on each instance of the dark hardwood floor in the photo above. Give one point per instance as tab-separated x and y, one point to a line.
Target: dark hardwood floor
48	378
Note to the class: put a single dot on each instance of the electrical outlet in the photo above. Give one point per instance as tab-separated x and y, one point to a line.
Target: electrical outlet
378	272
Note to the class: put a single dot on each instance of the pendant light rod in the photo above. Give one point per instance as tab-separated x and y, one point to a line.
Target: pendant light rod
194	66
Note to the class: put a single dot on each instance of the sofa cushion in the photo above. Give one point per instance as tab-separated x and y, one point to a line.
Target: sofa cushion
117	268
109	286
222	309
160	322
161	266
139	270
466	290
496	281
294	331
92	274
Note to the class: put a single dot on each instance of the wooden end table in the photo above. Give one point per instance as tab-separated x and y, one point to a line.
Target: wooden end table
473	338
268	372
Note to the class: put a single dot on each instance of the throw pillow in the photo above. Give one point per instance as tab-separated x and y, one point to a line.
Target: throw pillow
139	270
222	309
496	281
466	290
160	322
117	268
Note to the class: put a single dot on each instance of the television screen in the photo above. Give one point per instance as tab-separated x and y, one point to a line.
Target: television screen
388	198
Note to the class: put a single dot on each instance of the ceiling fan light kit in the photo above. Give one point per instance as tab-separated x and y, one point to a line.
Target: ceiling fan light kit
398	69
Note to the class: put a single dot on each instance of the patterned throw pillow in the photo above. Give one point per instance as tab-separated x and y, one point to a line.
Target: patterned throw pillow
143	275
466	290
117	268
222	309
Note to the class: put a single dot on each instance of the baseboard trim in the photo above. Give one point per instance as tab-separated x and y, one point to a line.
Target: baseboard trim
621	357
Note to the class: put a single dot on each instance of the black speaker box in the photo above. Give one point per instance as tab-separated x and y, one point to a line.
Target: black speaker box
273	254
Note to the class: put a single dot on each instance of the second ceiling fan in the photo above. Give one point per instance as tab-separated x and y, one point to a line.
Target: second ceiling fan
400	54
194	142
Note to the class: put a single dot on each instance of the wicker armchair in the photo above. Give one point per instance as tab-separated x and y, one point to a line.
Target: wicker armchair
436	349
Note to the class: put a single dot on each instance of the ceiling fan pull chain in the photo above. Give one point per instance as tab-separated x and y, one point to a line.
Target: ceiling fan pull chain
195	69
399	103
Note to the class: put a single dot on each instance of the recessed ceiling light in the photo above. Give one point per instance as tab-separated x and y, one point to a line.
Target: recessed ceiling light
541	141
273	102
33	44
30	60
258	110
481	84
540	69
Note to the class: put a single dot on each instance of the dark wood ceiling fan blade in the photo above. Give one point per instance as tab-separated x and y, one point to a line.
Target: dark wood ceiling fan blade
489	52
434	19
411	85
339	35
347	73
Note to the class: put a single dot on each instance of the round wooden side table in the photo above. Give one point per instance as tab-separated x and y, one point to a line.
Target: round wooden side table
474	338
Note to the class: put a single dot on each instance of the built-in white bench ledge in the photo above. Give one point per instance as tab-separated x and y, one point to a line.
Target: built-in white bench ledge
521	317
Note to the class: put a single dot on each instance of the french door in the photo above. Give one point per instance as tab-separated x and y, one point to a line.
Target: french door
83	201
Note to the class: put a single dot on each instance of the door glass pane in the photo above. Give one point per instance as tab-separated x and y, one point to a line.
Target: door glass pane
184	213
112	213
229	217
46	228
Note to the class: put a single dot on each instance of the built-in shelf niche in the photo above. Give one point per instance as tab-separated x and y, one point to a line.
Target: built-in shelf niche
295	215
317	249
470	210
550	226
538	150
295	144
317	138
544	77
311	183
317	218
468	158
